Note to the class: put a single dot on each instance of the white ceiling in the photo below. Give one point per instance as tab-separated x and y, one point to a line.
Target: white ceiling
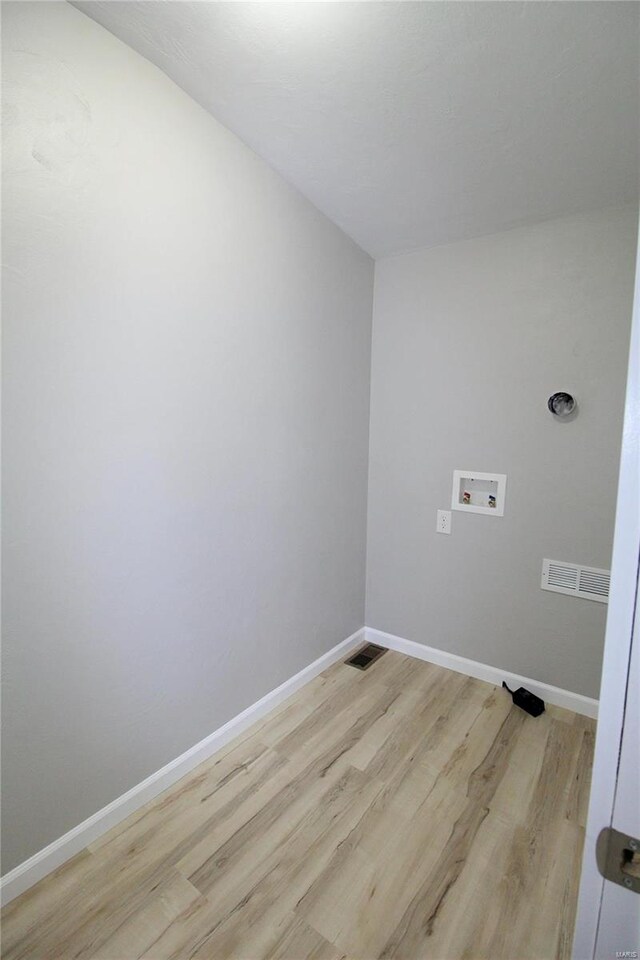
413	123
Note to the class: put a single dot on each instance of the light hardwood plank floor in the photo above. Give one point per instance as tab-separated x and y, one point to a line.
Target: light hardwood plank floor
406	811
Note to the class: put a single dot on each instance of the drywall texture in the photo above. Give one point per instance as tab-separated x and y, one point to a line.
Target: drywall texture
469	341
187	346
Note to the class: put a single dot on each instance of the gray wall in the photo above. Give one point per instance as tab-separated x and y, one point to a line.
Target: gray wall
469	340
187	346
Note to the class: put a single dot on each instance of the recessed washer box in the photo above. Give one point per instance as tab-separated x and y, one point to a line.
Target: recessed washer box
475	492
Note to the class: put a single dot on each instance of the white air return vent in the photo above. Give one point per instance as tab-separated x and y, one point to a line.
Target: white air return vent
576	580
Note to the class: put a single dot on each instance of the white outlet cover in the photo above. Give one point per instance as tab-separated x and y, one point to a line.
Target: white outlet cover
443	521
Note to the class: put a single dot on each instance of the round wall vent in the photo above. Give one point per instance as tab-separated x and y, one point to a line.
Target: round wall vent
561	404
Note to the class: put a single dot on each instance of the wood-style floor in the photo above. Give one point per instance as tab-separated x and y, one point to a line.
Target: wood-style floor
406	811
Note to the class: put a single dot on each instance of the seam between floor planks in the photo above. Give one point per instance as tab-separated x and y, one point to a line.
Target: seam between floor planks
403	811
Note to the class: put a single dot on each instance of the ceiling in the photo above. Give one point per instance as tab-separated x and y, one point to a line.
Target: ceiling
413	123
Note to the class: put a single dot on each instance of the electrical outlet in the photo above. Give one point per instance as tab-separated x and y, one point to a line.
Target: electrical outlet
443	522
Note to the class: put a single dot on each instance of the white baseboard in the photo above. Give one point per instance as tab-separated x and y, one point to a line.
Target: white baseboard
40	864
482	671
67	846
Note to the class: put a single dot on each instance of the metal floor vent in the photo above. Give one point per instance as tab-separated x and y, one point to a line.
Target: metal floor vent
365	656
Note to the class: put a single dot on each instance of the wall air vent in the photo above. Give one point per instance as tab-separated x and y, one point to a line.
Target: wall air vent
576	580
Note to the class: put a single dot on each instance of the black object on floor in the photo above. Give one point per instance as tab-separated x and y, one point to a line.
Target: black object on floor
526	700
365	656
